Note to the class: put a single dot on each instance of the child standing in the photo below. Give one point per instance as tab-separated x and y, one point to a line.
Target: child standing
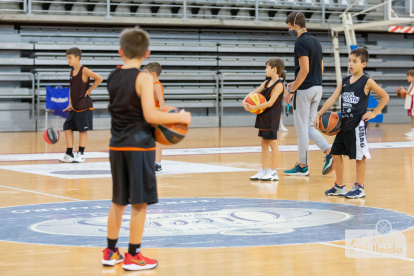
154	69
351	140
132	148
80	106
268	121
409	100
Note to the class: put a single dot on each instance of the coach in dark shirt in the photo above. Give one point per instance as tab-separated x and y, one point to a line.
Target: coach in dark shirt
306	91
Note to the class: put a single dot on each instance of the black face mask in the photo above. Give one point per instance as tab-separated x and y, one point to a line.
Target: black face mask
293	32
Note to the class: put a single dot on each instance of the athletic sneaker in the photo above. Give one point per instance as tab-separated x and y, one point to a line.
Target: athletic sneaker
138	262
356	192
283	128
66	159
111	258
329	165
336	191
410	133
79	158
297	170
271	175
259	175
158	169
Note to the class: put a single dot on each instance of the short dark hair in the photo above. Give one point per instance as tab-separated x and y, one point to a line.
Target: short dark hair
134	42
279	65
154	67
300	19
74	51
410	73
362	53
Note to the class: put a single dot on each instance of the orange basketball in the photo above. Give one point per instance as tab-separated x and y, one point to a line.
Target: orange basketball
330	123
170	134
401	91
256	99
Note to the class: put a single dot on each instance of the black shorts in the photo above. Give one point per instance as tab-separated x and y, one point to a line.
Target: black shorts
133	177
269	134
79	121
352	143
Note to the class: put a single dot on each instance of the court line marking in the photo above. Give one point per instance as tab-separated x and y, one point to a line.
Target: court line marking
194	151
362	250
29	191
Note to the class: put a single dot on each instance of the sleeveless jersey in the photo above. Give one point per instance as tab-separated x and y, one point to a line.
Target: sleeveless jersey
157	103
270	118
354	102
78	90
129	130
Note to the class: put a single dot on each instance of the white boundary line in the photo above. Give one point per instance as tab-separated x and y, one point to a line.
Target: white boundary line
29	191
362	250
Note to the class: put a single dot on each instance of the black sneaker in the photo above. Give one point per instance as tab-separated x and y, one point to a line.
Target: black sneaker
158	169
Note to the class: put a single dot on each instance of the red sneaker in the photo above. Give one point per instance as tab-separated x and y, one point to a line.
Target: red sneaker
111	258
138	262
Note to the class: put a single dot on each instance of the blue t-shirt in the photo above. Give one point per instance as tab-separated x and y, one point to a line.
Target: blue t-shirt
307	45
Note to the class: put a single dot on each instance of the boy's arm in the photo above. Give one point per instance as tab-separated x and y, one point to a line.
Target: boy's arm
70	104
372	85
158	94
277	91
145	90
92	75
328	104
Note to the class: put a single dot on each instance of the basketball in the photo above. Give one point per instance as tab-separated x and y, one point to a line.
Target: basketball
170	134
256	99
51	135
330	123
401	91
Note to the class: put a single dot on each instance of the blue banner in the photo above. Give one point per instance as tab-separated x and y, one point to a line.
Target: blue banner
57	99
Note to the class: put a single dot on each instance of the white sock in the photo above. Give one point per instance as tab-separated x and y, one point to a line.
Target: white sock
412	129
158	163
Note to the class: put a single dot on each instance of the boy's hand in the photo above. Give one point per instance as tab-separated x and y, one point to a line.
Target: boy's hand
249	107
88	92
316	122
368	116
67	109
185	117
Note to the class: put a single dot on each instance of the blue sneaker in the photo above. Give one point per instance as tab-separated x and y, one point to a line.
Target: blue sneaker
356	192
297	170
336	191
329	165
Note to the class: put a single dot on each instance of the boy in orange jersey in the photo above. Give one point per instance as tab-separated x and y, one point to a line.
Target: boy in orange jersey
154	69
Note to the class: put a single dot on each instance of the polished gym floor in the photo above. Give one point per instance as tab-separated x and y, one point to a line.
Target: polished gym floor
211	220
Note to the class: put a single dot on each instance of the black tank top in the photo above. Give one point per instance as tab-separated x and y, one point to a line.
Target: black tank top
129	129
78	90
354	102
270	118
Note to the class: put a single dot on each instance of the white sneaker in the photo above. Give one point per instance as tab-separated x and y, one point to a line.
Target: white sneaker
411	133
79	158
259	175
66	159
271	175
283	128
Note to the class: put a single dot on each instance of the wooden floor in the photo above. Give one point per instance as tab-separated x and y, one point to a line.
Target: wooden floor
389	185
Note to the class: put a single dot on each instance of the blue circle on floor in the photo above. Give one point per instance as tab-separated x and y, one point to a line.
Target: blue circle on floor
196	222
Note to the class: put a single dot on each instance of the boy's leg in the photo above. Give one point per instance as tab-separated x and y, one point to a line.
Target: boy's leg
275	153
339	169
79	156
265	153
69	138
114	220
68	157
136	228
83	138
360	171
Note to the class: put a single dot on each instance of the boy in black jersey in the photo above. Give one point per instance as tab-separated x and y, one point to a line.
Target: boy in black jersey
80	107
268	121
351	140
132	148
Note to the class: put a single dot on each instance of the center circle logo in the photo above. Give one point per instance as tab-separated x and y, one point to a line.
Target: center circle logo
202	222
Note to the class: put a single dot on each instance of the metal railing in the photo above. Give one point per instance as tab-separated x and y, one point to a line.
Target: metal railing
20	77
254	10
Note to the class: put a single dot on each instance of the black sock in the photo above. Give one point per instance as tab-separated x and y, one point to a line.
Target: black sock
69	151
112	244
134	249
81	149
